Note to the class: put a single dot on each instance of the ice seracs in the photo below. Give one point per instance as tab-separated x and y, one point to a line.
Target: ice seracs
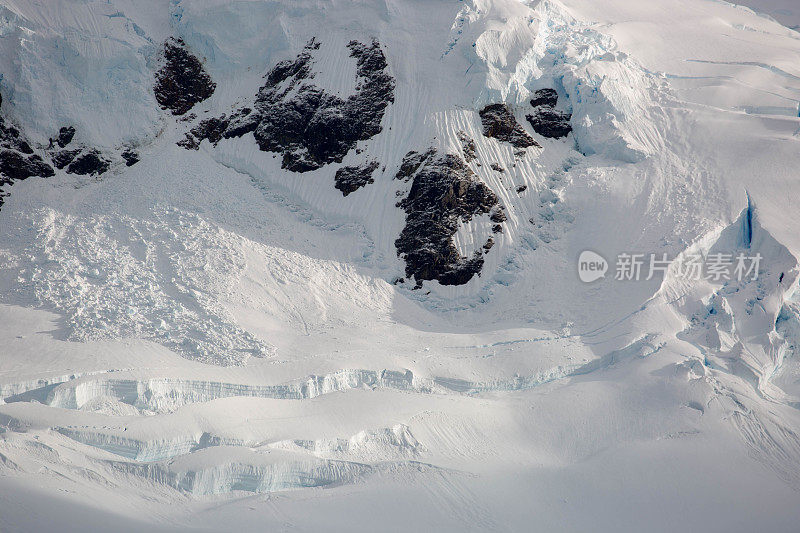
339	291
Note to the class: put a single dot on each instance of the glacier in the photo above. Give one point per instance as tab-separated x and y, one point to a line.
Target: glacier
319	268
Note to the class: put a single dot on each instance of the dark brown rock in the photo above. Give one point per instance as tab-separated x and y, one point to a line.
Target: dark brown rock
350	179
498	122
550	123
545	97
444	192
308	126
89	162
545	119
182	81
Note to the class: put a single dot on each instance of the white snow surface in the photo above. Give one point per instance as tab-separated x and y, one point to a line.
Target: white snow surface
207	342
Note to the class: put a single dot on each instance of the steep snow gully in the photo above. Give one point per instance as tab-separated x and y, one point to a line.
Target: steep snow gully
314	265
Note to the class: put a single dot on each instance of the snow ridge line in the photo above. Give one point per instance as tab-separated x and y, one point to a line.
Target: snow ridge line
168	394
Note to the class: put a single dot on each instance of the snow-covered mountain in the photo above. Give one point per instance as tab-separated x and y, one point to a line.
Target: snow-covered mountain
314	265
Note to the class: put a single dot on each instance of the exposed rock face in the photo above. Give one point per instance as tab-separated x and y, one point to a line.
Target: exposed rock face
15	166
498	121
17	159
12	139
82	161
131	157
78	160
182	81
443	193
545	119
65	136
89	162
467	147
350	179
307	125
210	128
63	158
545	97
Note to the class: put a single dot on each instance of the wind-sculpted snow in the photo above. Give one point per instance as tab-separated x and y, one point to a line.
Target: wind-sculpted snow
390	443
258	473
308	126
164	395
395	443
180	325
444	191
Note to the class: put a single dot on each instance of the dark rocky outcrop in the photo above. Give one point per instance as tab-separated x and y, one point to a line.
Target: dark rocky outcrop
63	158
497	214
308	126
545	97
210	128
182	81
17	158
15	166
468	147
82	161
411	163
546	120
131	157
498	122
312	128
65	136
550	122
12	139
444	192
89	162
350	179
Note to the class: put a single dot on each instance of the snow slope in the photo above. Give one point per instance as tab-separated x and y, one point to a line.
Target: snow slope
207	340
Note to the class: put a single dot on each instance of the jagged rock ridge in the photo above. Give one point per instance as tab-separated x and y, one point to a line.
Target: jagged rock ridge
182	81
443	193
546	120
467	147
89	162
498	122
81	160
65	136
17	158
307	125
351	178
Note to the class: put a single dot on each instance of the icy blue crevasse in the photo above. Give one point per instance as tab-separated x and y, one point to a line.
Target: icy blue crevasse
747	223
